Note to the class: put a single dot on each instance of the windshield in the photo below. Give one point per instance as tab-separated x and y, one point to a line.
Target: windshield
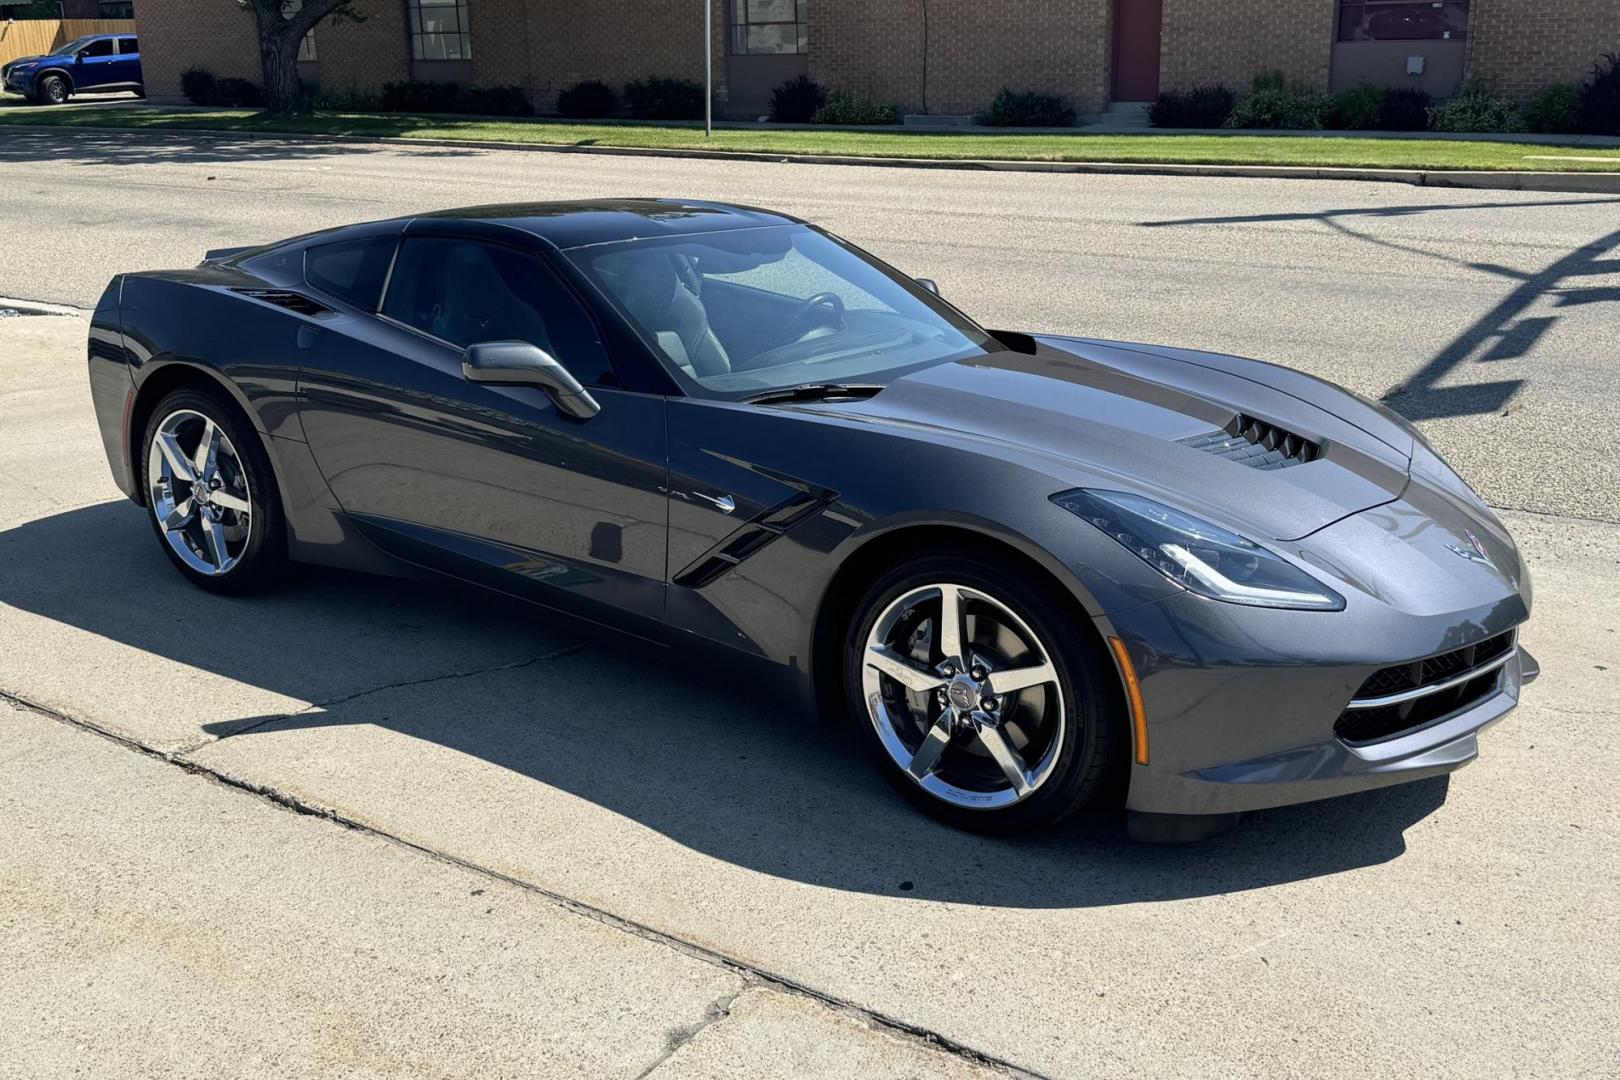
733	314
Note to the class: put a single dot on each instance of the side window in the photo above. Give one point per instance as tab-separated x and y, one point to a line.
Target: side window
104	47
128	45
467	292
351	270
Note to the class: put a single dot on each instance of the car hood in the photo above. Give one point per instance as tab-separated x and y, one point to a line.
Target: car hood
1147	419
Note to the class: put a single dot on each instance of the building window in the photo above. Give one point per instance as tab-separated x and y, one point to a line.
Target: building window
769	26
1402	20
439	30
116	9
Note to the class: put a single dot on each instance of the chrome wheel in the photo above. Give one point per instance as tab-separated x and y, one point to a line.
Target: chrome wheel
963	696
198	492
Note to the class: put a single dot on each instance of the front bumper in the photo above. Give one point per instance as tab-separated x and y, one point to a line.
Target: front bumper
20	82
1242	703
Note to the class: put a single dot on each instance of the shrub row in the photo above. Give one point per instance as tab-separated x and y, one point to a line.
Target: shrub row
201	88
1592	107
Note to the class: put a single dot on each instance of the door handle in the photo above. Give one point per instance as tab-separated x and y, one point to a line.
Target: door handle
307	336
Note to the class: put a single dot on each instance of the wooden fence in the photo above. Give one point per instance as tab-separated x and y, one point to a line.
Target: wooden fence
31	37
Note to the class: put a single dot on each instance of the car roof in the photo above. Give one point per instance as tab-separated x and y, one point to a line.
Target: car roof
571	224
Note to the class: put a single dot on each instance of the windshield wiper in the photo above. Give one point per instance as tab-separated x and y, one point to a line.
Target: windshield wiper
815	392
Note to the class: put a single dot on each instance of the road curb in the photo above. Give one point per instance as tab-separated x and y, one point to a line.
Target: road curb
1587	182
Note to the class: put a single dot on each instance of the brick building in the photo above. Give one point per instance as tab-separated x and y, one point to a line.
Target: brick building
940	56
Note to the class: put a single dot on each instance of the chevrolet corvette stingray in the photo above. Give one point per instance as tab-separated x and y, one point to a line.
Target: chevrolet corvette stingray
1036	573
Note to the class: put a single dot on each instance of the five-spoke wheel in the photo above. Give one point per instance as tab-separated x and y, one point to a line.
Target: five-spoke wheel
209	487
982	706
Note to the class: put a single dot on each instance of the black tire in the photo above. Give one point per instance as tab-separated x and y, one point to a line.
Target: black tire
1091	754
51	90
263	561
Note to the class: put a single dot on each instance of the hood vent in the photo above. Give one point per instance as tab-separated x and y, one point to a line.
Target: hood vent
1257	444
292	301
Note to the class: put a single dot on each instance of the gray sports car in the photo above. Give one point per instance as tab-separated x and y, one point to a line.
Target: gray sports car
1036	573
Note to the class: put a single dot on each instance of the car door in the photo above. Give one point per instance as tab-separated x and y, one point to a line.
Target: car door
489	483
127	64
95	65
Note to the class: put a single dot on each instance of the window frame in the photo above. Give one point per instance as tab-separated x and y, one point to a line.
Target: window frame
738	24
612	379
418	37
1366	6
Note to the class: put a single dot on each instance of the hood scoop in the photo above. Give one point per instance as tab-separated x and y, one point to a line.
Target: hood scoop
1256	443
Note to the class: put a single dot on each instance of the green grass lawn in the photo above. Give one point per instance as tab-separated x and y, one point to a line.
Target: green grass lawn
1147	148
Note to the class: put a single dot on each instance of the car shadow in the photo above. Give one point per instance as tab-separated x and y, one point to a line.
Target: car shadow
715	764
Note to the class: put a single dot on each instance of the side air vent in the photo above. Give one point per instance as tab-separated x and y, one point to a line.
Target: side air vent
1257	444
285	298
736	547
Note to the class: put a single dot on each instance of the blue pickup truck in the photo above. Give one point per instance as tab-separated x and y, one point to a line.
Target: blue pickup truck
93	63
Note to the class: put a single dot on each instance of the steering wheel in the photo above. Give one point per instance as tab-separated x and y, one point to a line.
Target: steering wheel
824	309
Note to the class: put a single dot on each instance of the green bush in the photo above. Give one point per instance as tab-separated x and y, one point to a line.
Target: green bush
797	101
1476	107
197	83
1406	108
588	100
494	101
235	94
350	100
1600	99
1274	104
852	109
659	98
1027	108
1555	109
419	96
1200	107
1358	108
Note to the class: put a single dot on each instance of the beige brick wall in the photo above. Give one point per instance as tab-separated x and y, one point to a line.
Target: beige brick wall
618	41
973	49
1527	44
361	56
180	34
1230	41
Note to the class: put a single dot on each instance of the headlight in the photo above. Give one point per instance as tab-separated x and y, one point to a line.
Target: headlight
1200	557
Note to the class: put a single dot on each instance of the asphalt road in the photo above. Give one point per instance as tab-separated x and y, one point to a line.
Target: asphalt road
565	857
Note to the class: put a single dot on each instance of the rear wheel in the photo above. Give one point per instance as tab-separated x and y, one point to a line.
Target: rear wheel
211	494
51	90
979	697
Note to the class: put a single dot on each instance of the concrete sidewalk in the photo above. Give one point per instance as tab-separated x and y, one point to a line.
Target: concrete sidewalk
154	922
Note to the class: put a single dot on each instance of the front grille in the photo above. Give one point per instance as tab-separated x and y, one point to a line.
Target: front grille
1257	444
1431	688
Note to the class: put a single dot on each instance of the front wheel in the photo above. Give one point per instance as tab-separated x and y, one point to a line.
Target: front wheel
211	494
52	90
981	698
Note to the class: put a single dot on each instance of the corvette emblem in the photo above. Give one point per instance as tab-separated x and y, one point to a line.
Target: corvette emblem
1475	552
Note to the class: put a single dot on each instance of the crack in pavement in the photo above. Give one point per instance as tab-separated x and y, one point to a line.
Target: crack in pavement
718	1010
751	974
328	703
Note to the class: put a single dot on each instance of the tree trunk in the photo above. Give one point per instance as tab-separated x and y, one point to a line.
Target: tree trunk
278	56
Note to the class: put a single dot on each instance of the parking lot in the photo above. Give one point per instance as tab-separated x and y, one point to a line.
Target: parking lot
352	828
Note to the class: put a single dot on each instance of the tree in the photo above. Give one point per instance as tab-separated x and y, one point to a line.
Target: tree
282	26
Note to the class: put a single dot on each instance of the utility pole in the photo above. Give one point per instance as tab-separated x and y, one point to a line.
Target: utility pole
708	69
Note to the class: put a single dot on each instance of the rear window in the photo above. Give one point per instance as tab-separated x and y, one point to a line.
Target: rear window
351	270
128	45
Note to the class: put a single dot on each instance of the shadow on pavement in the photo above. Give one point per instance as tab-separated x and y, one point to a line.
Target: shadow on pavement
1505	332
176	146
728	771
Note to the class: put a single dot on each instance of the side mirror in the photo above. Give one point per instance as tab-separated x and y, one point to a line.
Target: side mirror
930	284
78	57
518	363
